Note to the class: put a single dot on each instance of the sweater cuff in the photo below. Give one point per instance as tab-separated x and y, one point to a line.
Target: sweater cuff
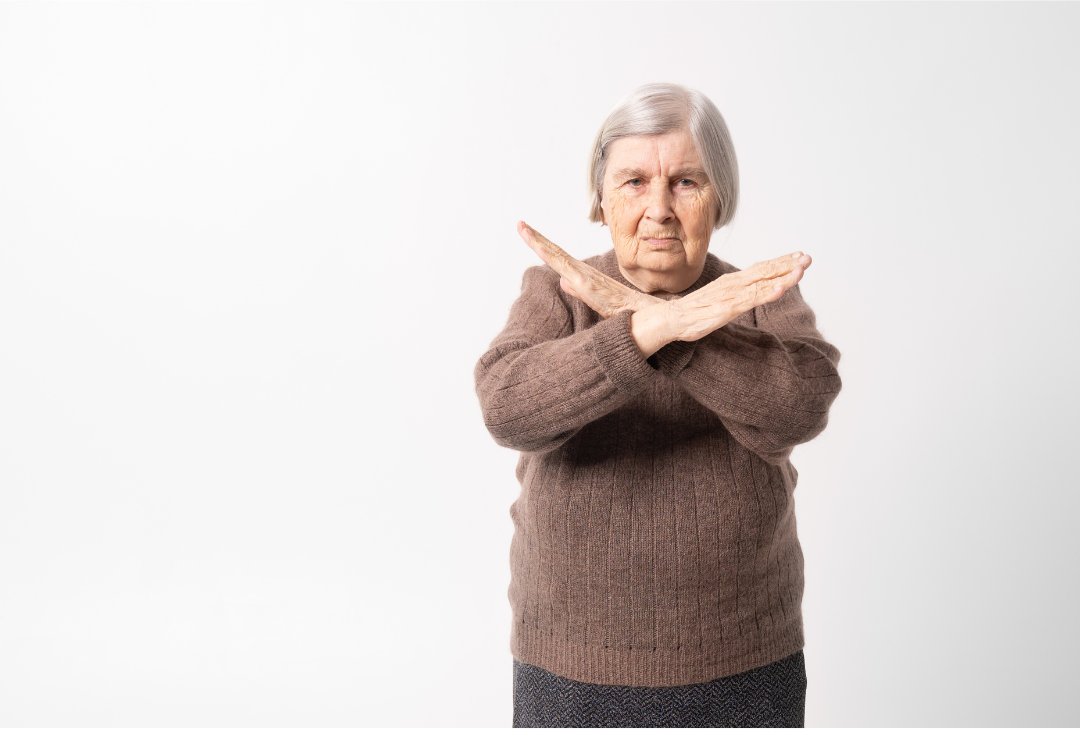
674	356
620	357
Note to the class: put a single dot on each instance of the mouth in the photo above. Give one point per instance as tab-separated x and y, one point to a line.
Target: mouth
660	242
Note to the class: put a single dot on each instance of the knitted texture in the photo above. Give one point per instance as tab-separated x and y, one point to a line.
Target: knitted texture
769	696
654	539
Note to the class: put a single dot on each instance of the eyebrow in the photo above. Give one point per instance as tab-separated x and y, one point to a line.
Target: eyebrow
632	172
688	172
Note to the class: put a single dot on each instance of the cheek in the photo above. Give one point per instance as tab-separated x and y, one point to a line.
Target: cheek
620	215
698	214
695	214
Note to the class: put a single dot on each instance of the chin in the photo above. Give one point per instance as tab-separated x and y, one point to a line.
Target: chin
662	260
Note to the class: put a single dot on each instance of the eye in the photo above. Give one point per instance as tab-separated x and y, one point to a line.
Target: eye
686	182
634	183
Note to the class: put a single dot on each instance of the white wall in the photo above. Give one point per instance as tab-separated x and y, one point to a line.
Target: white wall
250	254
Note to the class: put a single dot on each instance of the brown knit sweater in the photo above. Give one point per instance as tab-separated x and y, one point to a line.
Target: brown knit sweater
655	540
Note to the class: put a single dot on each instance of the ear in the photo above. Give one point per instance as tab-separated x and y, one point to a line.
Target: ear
603	216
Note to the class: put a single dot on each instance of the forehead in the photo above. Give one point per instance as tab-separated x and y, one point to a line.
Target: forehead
656	155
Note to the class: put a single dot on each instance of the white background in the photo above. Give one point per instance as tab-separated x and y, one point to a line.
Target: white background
251	254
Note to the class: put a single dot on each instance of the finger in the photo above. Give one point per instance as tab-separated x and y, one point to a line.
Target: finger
578	273
780	266
563	263
769	290
526	235
552	255
598	290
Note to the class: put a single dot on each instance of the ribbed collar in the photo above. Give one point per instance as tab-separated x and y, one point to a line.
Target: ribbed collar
608	263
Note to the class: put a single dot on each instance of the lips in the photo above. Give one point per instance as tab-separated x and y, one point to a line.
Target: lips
657	242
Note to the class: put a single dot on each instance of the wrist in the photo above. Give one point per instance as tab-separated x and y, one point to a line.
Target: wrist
651	327
688	323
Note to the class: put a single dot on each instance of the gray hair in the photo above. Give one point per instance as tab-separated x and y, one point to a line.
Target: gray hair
655	109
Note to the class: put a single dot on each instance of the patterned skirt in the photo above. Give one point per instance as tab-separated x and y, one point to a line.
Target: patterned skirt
769	696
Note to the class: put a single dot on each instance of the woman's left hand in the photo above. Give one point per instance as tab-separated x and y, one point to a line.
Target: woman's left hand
603	294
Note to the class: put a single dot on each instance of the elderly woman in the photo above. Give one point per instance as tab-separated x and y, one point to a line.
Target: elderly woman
655	393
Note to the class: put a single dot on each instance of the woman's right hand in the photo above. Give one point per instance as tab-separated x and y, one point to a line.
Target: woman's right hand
606	296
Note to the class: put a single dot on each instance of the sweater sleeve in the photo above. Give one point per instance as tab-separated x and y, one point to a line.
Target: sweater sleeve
771	384
539	383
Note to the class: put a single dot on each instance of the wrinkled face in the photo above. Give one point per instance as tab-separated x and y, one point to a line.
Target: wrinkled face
659	205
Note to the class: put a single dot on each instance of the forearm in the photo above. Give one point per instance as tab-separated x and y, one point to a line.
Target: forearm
783	386
535	398
770	377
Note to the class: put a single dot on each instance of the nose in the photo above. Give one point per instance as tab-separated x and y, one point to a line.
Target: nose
659	207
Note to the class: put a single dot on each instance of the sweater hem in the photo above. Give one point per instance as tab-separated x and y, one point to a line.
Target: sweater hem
649	667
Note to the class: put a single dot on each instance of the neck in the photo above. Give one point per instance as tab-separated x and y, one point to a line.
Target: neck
659	284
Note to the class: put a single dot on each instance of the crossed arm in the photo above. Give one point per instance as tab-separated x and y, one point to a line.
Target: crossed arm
771	385
656	321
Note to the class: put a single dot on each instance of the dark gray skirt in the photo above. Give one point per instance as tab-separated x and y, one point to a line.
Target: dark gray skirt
769	696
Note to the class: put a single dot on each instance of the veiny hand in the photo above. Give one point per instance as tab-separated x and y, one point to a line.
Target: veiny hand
660	320
722	300
602	293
